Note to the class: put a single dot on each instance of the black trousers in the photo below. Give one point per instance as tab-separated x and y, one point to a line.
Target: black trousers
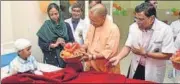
139	73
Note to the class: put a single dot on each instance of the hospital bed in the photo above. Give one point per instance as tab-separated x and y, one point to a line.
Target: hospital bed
7	58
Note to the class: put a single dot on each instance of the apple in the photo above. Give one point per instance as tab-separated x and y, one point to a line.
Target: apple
75	46
68	45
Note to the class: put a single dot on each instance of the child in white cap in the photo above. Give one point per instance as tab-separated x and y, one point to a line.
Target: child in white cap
24	62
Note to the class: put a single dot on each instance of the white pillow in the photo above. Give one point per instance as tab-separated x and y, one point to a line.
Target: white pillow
43	67
4	71
47	67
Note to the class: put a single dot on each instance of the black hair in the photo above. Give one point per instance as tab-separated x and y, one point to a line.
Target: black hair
77	5
147	0
62	7
147	8
53	5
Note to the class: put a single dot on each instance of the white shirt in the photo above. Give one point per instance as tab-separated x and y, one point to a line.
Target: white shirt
176	73
20	65
162	39
81	28
175	27
146	37
177	41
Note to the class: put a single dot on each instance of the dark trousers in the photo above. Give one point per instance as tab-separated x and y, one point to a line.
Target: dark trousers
139	73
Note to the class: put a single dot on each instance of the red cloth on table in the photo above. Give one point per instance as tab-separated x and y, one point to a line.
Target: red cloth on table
78	67
98	77
70	75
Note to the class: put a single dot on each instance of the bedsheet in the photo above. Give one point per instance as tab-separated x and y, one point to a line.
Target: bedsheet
43	67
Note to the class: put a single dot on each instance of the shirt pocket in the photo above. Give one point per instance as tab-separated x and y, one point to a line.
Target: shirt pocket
157	45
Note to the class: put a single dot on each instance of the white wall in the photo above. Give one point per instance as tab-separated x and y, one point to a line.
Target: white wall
21	19
6	27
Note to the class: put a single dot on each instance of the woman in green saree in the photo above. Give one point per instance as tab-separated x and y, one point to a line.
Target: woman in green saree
53	34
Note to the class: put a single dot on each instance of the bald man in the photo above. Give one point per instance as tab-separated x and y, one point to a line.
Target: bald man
93	3
102	41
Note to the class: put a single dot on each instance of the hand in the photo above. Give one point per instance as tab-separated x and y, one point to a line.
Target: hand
141	51
37	72
82	50
78	53
53	45
84	58
60	41
172	57
88	57
114	61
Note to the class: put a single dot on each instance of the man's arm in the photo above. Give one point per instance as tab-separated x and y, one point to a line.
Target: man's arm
124	52
160	56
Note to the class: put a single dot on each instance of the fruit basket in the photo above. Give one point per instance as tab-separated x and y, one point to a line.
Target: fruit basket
176	60
71	53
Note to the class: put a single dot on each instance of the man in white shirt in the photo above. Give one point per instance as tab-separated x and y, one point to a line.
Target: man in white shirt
176	27
151	42
176	73
177	41
78	26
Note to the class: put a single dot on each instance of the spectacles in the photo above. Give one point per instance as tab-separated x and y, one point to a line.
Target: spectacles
140	19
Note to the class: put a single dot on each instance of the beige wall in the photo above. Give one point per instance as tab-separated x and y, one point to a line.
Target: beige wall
6	27
21	19
161	4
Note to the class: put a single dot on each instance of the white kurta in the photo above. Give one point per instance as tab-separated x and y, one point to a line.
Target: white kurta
81	28
162	38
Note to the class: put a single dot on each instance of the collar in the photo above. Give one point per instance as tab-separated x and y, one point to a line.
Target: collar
75	20
153	27
154	24
23	61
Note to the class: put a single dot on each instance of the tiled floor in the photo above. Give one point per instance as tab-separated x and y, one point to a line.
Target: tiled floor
126	62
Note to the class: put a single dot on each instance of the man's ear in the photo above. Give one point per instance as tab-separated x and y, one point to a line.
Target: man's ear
152	18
